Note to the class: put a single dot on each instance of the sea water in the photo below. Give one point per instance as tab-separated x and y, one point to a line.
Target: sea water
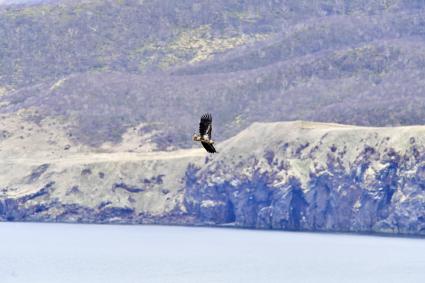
35	252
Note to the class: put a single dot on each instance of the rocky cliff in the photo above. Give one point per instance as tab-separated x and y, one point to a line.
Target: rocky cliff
286	175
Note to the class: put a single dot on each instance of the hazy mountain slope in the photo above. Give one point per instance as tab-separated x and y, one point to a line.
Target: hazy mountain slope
315	35
46	42
50	41
107	67
293	175
380	83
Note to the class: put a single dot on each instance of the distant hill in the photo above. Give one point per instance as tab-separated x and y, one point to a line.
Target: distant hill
107	67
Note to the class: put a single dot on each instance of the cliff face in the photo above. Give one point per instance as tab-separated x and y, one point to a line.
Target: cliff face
316	177
291	176
95	187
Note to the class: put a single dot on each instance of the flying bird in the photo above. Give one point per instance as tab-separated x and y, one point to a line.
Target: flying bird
205	129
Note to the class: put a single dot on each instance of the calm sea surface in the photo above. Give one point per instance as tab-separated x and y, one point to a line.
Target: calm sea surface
31	252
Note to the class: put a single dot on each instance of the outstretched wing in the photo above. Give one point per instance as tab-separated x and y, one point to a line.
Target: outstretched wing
209	147
205	126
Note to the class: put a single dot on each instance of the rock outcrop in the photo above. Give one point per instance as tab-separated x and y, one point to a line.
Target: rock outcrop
315	177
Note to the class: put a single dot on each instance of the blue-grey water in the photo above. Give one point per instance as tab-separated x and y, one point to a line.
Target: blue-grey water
31	252
10	2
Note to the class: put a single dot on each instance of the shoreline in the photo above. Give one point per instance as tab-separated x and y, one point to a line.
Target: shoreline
231	227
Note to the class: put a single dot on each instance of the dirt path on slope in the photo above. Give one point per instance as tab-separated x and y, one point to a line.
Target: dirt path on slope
91	157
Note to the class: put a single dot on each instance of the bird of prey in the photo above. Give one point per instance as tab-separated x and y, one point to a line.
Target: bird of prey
205	128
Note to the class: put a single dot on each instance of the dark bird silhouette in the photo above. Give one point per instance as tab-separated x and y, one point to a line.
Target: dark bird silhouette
205	130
